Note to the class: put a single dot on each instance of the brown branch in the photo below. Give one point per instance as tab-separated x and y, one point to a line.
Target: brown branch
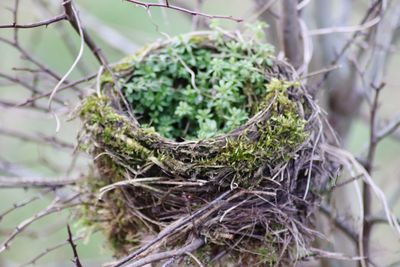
73	246
184	10
73	20
36	24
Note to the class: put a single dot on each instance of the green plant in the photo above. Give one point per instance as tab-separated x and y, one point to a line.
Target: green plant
193	90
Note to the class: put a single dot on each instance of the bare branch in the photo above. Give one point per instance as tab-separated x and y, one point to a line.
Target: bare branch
181	9
48	250
56	206
73	246
29	182
108	34
388	129
36	24
26	85
53	141
16	206
62	88
27	56
73	20
346	29
367	193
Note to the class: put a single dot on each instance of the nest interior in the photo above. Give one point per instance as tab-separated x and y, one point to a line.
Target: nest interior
246	186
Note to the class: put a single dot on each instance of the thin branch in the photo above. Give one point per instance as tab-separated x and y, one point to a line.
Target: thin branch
195	244
388	129
16	206
48	250
346	29
55	206
26	85
62	88
26	55
30	182
184	10
74	20
46	140
374	8
7	104
36	24
76	260
367	194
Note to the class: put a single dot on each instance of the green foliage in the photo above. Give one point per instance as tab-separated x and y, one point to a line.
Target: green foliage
191	89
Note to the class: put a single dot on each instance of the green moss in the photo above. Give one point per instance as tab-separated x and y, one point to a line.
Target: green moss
97	110
278	137
113	129
239	154
267	255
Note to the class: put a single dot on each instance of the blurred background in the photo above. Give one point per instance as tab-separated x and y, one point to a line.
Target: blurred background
28	147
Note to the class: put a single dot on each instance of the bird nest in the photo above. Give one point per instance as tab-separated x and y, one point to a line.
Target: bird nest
242	188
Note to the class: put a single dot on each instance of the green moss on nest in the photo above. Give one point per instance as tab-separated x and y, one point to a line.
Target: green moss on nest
113	129
277	141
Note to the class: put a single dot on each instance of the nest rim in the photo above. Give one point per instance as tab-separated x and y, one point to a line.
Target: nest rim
219	138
